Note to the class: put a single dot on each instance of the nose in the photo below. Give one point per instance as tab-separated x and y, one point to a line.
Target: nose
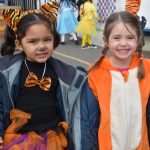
41	46
123	42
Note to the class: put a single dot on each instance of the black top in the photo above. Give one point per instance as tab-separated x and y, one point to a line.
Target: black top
39	103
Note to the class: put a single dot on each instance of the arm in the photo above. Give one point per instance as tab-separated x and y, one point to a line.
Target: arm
148	118
90	119
95	12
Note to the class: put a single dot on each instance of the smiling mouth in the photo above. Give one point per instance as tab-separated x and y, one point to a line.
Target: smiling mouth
123	50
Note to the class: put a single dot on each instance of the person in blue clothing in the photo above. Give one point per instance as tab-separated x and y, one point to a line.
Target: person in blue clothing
44	103
66	21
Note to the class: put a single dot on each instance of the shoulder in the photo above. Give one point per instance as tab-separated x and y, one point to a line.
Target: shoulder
60	65
64	71
94	73
8	60
146	62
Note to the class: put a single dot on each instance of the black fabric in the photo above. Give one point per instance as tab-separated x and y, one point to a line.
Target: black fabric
39	103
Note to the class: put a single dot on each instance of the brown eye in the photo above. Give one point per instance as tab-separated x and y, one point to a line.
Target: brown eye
131	37
48	40
32	41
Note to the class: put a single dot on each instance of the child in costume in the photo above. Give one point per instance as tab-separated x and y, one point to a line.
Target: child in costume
38	93
66	21
86	26
31	116
120	82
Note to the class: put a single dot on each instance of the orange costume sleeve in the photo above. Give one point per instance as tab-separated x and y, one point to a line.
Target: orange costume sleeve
132	6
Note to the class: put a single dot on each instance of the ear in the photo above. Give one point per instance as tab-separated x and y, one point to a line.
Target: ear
105	41
18	45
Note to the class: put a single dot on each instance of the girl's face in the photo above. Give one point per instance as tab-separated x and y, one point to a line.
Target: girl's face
122	43
37	43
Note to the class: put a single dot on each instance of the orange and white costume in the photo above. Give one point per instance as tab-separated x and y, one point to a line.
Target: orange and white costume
122	99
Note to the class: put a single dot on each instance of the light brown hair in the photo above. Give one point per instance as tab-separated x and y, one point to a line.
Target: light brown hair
125	18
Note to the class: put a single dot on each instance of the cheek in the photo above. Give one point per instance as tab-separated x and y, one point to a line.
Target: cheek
29	53
134	45
112	45
51	46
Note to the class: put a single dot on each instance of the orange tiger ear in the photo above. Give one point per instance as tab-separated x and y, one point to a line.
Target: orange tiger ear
11	16
50	9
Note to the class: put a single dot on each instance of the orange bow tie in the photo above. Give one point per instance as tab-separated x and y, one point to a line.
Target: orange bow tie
32	80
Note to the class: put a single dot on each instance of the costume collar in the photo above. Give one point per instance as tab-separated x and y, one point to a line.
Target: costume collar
106	64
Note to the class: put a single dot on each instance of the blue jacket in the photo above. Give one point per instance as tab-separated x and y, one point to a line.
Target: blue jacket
76	102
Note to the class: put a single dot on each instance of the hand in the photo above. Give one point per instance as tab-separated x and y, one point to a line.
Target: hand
1	143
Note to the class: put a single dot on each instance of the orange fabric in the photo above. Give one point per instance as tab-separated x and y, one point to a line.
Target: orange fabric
32	80
33	138
100	82
13	16
55	140
132	6
125	74
19	118
145	91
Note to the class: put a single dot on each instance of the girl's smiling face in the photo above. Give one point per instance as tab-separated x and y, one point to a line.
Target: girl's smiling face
38	43
122	43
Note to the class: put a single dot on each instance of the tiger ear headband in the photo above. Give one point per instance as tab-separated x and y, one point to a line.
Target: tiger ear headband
13	16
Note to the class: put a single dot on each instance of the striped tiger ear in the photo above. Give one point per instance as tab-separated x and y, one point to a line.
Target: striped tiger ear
50	9
11	17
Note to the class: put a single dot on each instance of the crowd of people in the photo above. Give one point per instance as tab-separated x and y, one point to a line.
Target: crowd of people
46	104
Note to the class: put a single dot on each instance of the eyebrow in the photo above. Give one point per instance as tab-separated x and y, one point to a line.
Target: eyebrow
121	35
34	38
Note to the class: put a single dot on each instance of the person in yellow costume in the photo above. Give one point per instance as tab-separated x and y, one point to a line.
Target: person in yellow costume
86	26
